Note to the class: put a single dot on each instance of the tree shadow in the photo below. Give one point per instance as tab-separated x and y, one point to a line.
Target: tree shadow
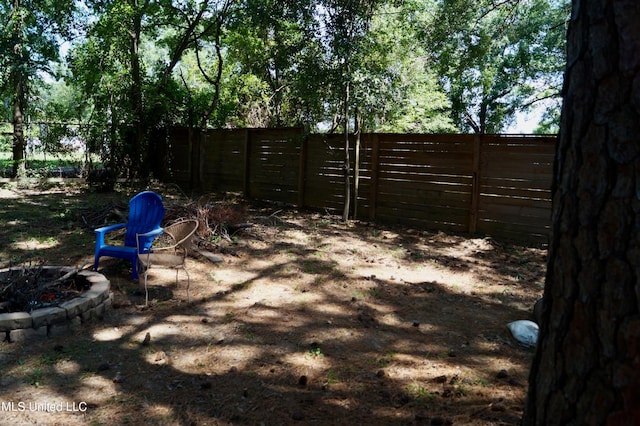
337	347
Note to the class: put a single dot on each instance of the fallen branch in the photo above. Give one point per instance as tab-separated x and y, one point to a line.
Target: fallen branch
63	278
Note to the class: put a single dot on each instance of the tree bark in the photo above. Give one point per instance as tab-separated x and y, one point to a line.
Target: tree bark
18	78
586	369
356	170
216	27
19	168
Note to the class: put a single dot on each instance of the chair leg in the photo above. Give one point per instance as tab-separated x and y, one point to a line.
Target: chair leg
146	290
188	285
188	281
134	269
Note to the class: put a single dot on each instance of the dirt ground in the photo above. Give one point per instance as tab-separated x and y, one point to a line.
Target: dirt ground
306	320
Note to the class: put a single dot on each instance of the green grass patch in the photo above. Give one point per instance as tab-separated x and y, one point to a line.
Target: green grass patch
40	164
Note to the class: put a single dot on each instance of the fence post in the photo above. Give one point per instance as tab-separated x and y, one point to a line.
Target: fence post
247	158
302	168
475	184
375	159
198	144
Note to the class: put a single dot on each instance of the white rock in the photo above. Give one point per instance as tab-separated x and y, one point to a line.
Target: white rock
524	331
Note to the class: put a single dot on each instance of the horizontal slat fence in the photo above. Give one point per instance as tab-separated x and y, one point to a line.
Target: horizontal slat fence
425	180
514	187
222	154
497	185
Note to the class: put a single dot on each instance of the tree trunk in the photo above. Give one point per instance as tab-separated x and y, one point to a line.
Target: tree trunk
347	160
19	168
356	172
215	82
482	117
586	370
139	146
18	79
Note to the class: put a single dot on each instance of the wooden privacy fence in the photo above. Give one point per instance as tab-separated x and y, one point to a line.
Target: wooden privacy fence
497	185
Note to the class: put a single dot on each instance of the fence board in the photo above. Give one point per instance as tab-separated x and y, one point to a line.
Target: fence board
517	195
222	160
431	218
439	176
516	232
272	162
180	165
515	184
427	198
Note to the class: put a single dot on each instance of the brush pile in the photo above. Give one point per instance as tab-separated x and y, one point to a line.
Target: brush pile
218	219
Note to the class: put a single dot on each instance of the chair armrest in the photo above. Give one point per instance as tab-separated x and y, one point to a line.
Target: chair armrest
153	233
110	228
148	236
101	232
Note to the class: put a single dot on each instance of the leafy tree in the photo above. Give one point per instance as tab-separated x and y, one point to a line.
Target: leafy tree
346	24
495	58
128	63
212	35
586	368
28	44
145	64
110	68
396	89
59	115
275	47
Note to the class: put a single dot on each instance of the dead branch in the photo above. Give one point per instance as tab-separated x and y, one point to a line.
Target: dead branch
69	275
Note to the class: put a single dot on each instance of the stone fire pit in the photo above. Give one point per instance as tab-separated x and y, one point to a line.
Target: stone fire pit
88	305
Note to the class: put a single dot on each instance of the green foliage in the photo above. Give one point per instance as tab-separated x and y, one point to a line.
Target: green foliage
5	137
275	51
410	66
28	45
396	88
497	58
41	164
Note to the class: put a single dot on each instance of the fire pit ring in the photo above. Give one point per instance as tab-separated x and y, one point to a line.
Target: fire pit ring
90	304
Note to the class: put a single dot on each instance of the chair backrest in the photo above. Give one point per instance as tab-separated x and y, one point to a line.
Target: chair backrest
182	231
145	214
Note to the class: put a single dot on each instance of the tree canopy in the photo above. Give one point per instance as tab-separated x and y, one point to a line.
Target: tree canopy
496	58
28	45
133	66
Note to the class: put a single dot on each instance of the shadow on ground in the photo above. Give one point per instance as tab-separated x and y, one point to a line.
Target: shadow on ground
307	321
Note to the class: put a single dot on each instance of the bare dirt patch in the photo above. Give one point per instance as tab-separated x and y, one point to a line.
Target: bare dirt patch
307	320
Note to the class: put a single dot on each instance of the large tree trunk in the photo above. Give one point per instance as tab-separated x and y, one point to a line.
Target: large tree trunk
586	369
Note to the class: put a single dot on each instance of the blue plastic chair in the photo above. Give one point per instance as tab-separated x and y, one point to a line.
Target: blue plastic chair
145	215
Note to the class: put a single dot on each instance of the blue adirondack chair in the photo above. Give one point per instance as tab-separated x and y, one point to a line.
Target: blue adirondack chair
145	215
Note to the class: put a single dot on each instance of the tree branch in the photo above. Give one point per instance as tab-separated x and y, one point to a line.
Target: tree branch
184	43
555	94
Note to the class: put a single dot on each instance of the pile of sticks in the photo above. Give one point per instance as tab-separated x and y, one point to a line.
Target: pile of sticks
28	288
215	218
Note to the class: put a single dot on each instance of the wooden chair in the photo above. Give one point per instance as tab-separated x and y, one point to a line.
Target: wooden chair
170	252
